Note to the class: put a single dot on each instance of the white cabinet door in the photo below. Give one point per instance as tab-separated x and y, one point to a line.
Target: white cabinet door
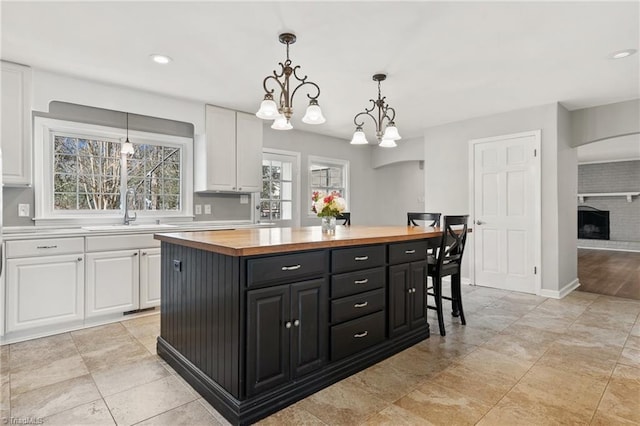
220	165
16	124
44	290
249	152
112	282
149	278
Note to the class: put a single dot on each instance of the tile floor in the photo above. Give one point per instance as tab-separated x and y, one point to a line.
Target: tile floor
521	360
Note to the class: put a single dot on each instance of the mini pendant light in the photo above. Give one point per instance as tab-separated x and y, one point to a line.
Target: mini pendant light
127	147
386	138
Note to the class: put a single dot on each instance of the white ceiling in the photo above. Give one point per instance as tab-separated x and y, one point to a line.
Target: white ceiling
446	61
622	148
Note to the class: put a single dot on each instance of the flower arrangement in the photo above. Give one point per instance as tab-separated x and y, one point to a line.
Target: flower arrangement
327	205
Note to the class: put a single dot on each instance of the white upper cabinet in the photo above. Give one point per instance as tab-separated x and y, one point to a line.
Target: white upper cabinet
16	124
229	159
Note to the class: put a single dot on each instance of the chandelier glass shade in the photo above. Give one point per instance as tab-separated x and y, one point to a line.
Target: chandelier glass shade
283	80
385	114
127	147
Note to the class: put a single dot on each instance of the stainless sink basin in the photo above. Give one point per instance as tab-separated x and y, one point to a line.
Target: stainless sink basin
132	227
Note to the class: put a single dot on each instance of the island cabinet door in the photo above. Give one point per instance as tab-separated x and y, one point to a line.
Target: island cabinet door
309	314
418	294
268	336
399	298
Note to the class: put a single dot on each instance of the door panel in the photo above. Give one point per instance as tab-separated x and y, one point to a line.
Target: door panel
309	302
418	309
268	338
399	280
504	209
113	284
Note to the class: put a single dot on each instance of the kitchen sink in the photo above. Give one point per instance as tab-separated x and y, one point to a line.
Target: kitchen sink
132	227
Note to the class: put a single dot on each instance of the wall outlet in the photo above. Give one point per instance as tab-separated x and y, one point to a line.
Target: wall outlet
207	209
23	210
198	208
244	199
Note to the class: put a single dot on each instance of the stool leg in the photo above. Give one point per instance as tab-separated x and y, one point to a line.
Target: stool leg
437	291
455	286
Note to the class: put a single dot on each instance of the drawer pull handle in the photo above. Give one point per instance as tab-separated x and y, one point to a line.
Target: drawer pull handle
360	305
46	247
366	280
409	251
359	258
361	335
287	324
291	268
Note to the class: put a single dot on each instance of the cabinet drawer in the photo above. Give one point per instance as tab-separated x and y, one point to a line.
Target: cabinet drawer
407	252
121	242
285	268
356	335
44	247
352	259
356	306
357	282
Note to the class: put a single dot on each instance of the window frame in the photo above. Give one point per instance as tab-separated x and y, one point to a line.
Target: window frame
45	130
330	162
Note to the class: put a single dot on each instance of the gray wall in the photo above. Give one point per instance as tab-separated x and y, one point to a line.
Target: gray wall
605	122
447	176
621	176
362	178
400	189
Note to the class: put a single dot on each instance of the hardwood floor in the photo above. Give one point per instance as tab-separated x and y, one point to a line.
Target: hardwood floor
615	273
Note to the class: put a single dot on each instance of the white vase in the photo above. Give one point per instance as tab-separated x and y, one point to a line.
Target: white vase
329	224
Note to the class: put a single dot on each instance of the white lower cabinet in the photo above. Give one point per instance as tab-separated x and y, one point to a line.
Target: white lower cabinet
149	278
113	282
44	291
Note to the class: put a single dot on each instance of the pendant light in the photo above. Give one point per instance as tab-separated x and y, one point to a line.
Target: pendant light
127	147
387	135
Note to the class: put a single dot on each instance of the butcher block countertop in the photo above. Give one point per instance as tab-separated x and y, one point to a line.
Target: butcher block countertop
249	242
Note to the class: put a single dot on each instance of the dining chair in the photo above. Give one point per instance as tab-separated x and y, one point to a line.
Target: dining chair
429	219
346	217
447	261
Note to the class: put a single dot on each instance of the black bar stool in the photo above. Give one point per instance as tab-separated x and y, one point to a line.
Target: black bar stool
429	219
447	260
346	217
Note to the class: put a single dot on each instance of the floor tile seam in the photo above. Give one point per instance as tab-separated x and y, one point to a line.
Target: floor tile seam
136	339
174	408
367	418
602	395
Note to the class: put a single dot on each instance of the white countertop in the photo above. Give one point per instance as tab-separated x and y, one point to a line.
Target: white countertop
31	232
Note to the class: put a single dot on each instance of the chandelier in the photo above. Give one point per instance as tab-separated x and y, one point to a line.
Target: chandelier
281	113
386	139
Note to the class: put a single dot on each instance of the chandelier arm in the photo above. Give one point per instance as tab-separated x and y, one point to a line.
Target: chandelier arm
386	114
311	83
366	112
295	74
272	77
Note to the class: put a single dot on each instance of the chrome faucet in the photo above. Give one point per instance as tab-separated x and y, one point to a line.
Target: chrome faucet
127	217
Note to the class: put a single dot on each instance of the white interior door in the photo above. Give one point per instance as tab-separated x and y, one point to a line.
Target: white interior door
506	206
280	188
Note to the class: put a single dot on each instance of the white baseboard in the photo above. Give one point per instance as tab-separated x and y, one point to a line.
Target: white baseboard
559	294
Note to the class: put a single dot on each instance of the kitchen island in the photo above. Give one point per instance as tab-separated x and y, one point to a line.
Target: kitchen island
257	319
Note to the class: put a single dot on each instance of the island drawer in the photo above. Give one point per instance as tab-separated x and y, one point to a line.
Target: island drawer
285	268
357	282
356	335
44	247
352	307
407	252
352	259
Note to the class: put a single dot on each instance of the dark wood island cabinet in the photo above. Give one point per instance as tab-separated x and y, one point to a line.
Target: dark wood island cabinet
257	319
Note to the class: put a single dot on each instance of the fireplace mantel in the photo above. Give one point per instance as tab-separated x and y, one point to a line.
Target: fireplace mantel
628	195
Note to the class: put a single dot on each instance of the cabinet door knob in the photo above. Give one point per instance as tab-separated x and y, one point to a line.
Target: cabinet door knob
239	189
144	253
135	254
287	324
79	259
296	323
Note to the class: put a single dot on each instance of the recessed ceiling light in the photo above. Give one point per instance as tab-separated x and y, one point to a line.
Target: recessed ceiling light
161	59
622	53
